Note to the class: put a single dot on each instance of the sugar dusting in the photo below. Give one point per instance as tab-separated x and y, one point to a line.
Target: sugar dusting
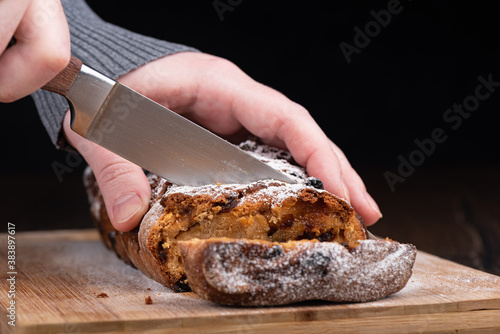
272	190
308	271
276	158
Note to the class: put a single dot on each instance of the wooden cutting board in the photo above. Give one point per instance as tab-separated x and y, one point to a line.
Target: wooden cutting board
61	274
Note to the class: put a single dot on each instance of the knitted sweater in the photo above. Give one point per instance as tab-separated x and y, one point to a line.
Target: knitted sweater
107	48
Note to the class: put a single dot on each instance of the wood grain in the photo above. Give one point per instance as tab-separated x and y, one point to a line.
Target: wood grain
60	274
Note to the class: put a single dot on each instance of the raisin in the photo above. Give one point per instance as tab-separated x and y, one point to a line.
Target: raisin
319	260
287	221
248	146
273	252
327	236
162	253
307	235
314	182
181	285
349	248
229	204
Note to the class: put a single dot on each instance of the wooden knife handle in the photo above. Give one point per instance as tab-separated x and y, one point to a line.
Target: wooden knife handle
63	81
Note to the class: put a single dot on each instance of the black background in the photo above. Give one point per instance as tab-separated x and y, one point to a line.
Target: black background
394	91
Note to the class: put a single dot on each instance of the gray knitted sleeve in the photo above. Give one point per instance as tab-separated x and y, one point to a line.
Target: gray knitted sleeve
107	48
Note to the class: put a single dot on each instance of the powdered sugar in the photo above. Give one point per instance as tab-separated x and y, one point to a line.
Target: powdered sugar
274	191
270	275
276	158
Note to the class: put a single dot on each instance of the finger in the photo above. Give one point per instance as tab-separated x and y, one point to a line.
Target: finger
41	51
124	186
324	160
310	148
361	200
282	122
11	14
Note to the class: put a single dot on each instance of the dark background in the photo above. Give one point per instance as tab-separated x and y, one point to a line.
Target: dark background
394	92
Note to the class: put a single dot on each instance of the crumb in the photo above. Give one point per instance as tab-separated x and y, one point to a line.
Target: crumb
148	300
148	289
102	295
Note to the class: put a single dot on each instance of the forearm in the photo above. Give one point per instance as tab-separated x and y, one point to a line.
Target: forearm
112	50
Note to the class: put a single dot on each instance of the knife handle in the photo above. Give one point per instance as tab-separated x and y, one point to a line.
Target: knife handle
63	81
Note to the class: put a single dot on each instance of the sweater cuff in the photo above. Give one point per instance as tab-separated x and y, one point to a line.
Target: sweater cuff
105	47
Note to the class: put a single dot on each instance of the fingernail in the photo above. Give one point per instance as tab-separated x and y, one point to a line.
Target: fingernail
373	204
126	206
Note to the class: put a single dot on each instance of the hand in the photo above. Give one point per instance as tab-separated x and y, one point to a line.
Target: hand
42	47
218	95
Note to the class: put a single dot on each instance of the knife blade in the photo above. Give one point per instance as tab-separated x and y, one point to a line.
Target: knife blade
150	135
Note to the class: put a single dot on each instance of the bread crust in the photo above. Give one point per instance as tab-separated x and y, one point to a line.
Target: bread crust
258	273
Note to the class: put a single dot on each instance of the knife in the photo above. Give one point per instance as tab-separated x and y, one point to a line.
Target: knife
150	135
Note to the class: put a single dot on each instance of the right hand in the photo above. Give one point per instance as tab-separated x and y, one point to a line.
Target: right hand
42	47
218	95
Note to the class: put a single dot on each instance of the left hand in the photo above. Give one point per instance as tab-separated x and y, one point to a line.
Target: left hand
216	94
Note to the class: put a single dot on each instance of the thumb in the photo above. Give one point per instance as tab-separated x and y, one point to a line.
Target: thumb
124	186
